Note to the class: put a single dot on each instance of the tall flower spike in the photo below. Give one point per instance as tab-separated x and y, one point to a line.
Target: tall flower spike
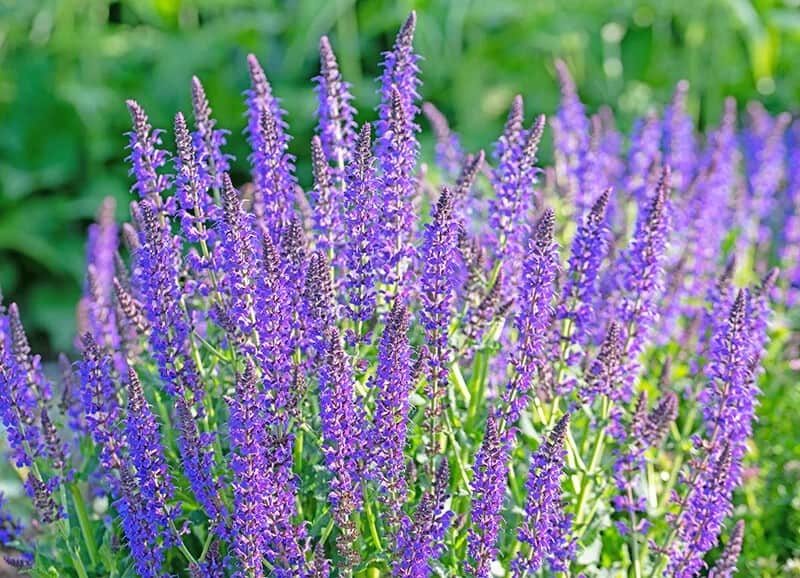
506	177
152	474
397	147
263	493
580	296
198	463
342	435
247	461
158	270
546	528
678	140
326	198
392	385
571	134
133	519
488	491
540	271
361	220
100	403
272	165
726	565
705	509
643	154
603	373
449	155
336	126
318	302
275	182
437	296
515	195
208	140
466	180
191	187
396	152
421	537
641	278
101	247
146	158
401	74
728	401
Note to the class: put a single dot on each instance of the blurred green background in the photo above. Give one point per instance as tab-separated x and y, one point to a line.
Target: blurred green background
67	66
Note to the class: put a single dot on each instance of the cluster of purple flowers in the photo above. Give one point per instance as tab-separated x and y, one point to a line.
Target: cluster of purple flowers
280	384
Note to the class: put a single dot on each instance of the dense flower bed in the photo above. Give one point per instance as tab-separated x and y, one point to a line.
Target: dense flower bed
275	382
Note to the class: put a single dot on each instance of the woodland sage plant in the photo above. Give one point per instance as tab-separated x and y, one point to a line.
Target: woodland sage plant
516	371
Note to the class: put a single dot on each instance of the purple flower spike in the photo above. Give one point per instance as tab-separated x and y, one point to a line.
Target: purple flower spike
541	269
158	268
421	537
546	528
208	141
514	195
235	258
726	565
641	280
393	383
318	302
191	187
342	431
136	526
273	166
152	475
146	159
361	222
397	148
643	155
704	512
449	155
396	152
326	198
262	493
437	297
99	397
678	140
488	492
19	403
603	373
729	400
580	296
274	178
336	126
571	134
198	462
100	250
401	74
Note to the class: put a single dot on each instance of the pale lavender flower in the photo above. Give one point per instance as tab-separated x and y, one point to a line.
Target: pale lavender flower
449	155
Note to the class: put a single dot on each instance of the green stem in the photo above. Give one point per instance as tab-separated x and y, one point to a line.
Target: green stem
83	520
373	529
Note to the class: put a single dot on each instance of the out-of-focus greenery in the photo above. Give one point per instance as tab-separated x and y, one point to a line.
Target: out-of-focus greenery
66	67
